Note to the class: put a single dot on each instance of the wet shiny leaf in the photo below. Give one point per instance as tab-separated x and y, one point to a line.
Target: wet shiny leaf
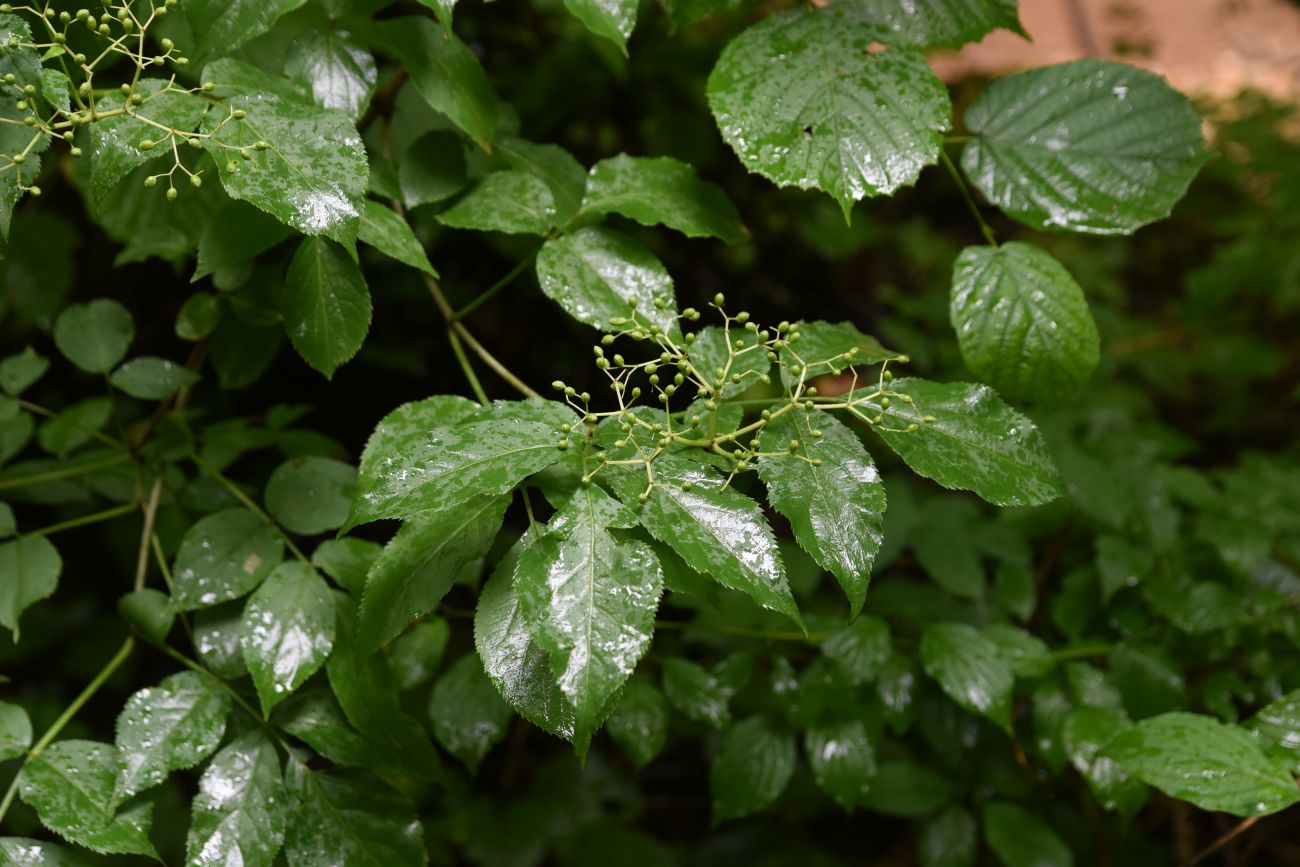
336	67
388	233
593	272
310	495
150	378
15	731
940	22
287	631
241	809
861	648
751	770
612	19
948	839
326	305
349	818
228	24
168	727
842	760
29	572
469	717
1086	734
639	723
222	557
970	668
662	191
118	144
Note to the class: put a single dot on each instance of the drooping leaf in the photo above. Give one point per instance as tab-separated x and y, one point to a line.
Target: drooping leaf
388	233
227	24
151	378
349	818
287	631
222	557
336	67
950	23
590	602
639	723
1211	764
1022	322
976	442
804	101
446	73
29	572
969	668
751	770
1087	146
422	562
311	494
118	144
468	715
241	809
592	273
510	201
168	727
310	172
612	19
94	336
70	785
831	493
1021	839
662	191
842	760
326	305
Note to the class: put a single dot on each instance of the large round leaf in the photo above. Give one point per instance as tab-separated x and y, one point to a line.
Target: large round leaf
804	100
1089	146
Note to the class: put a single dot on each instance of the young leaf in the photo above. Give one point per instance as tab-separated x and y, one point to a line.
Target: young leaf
287	631
593	272
1022	322
326	305
1105	163
70	786
336	67
751	770
612	19
717	530
509	201
639	723
222	557
240	811
862	648
842	760
469	718
446	73
349	817
306	165
227	24
29	572
831	493
94	336
1021	839
15	731
169	727
430	554
311	494
970	669
976	442
1199	759
804	101
662	190
590	602
950	23
150	378
118	144
388	233
484	455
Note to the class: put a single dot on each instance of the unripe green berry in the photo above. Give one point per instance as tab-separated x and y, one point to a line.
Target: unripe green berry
172	194
35	191
196	181
151	181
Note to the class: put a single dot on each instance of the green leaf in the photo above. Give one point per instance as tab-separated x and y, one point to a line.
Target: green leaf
29	572
731	370
485	455
950	23
326	305
804	101
311	494
611	19
1021	839
949	839
830	492
1199	759
417	653
590	602
20	371
336	67
227	24
216	639
508	201
407	426
696	693
239	78
1022	322
976	442
169	727
443	9
149	611
433	168
312	174
430	554
23	851
287	631
346	561
94	336
842	760
151	378
862	648
349	818
388	233
70	786
1027	656
1121	564
1277	725
557	168
8	526
832	347
119	144
240	811
75	426
446	73
751	769
222	557
1087	146
639	723
1086	734
15	731
662	191
236	234
902	788
716	529
970	669
593	272
515	663
468	715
